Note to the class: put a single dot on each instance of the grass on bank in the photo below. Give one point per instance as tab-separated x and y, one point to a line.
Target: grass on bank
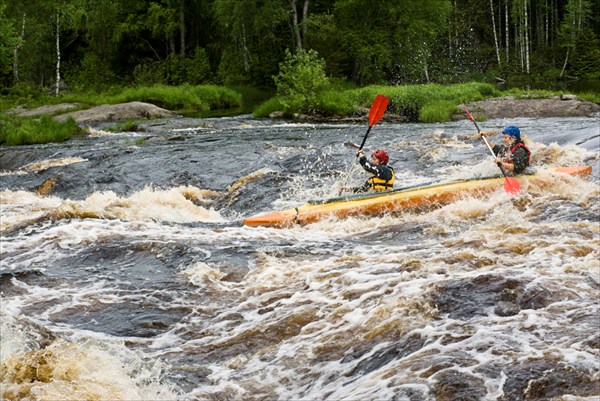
28	130
424	103
416	103
427	103
184	99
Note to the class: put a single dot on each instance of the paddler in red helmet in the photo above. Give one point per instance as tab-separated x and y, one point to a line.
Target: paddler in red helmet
382	175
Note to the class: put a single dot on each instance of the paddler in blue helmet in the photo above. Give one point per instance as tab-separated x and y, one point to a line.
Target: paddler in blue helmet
513	154
382	176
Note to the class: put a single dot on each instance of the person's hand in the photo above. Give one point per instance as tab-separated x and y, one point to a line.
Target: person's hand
360	153
481	134
498	161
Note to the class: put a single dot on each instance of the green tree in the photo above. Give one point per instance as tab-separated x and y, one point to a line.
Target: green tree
253	37
572	26
7	42
301	78
389	40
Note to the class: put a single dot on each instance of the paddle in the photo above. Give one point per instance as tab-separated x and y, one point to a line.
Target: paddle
375	113
377	109
511	185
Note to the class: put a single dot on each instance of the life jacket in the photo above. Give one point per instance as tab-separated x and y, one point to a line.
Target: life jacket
521	145
379	184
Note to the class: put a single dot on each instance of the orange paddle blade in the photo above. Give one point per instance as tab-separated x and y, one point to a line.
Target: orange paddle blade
511	185
378	108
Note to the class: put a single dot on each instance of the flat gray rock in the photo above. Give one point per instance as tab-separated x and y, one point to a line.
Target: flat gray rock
117	112
510	107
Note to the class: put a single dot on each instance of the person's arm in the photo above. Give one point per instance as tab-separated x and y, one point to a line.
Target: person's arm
368	166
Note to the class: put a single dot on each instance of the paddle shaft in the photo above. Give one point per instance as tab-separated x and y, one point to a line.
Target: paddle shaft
365	138
486	142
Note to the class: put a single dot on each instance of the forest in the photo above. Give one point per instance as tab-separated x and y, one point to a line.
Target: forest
55	45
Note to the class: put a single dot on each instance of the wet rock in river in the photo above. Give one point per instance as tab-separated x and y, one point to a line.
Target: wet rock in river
463	299
451	385
547	379
46	187
398	350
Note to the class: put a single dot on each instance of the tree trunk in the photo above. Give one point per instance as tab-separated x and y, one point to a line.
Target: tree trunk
562	72
506	30
495	35
16	52
526	28
295	26
57	53
546	24
304	19
245	50
182	28
171	40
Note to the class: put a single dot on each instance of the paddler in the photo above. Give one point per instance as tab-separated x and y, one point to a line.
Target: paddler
512	154
382	175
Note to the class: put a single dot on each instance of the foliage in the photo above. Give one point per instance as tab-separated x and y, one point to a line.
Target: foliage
438	111
266	108
243	42
25	131
7	41
429	102
590	96
425	103
301	79
183	98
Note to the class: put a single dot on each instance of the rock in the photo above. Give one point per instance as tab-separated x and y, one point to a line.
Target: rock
277	114
510	107
22	112
117	112
46	187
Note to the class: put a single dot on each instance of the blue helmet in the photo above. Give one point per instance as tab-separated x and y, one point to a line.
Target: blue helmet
512	130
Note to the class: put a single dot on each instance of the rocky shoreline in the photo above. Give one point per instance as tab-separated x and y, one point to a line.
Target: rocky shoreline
504	107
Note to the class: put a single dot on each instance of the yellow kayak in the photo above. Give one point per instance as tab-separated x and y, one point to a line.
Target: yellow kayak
403	198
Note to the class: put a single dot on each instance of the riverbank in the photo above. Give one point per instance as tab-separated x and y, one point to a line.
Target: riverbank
502	107
129	107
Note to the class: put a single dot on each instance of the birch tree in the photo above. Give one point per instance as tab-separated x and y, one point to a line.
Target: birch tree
299	21
18	45
67	15
521	34
506	30
526	35
495	34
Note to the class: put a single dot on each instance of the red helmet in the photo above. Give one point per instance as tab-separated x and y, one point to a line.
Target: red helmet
381	155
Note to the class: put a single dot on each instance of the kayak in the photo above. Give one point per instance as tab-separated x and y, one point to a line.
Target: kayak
423	195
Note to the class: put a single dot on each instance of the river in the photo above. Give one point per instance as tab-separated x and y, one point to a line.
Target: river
127	274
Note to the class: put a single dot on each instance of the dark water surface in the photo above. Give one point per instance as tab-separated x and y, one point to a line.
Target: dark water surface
126	273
